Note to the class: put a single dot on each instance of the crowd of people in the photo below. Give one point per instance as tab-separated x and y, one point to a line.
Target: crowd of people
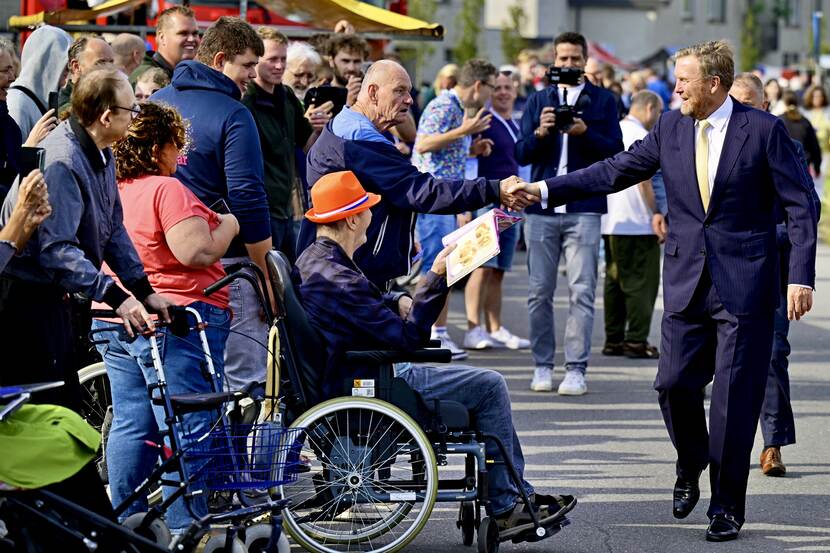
163	167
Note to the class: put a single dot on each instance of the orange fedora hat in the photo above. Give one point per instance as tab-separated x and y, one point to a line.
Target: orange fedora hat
338	195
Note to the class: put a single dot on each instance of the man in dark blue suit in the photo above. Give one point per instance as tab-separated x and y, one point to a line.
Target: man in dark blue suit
725	166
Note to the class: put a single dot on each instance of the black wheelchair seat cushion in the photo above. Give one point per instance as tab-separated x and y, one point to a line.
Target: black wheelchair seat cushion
453	414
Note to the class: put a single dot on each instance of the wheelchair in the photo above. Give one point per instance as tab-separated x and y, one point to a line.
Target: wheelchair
371	457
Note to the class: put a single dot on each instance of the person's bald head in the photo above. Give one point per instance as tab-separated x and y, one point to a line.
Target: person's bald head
385	94
748	89
87	54
593	71
129	50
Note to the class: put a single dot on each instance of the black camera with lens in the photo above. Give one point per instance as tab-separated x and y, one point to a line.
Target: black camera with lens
565	117
570	76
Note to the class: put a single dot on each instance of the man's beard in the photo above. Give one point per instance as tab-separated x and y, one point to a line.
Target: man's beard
340	78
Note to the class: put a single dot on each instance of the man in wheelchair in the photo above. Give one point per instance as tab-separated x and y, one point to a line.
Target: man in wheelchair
350	313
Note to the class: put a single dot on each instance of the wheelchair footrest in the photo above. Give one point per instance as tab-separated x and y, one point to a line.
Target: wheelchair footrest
531	535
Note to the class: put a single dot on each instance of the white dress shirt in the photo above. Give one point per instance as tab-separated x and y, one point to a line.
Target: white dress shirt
716	133
573	93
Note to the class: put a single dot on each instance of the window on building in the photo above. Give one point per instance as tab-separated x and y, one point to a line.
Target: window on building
716	11
687	10
793	14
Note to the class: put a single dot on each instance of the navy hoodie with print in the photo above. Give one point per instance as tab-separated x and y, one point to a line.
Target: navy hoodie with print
225	158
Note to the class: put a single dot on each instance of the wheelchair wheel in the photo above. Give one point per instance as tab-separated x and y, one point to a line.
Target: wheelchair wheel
217	544
156	532
467	522
258	536
372	483
488	536
96	406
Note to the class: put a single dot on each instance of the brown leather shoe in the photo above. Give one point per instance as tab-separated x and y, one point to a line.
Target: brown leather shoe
771	463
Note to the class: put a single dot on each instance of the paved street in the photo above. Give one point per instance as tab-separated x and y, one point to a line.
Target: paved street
611	450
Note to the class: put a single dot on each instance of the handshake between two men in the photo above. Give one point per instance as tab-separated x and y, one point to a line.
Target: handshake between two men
517	194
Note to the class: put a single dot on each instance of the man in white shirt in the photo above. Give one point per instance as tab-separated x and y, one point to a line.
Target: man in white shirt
632	251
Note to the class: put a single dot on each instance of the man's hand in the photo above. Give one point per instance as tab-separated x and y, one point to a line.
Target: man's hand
403	148
799	301
517	194
579	127
353	86
482	147
463	218
159	304
42	128
319	116
660	226
476	124
134	315
404	306
344	26
547	121
439	266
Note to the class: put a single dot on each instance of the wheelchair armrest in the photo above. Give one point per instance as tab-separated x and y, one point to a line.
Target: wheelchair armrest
382	357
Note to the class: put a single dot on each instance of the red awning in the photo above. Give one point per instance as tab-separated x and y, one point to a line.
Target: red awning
603	55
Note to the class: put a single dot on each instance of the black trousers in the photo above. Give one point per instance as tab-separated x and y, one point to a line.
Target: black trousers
37	341
699	343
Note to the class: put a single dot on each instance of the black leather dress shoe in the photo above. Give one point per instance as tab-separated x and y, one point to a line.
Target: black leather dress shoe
722	527
686	494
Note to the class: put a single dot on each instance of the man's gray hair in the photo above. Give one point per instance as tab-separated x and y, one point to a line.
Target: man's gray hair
750	81
645	98
715	58
8	47
302	51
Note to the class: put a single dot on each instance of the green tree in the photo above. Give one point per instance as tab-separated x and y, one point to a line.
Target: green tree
469	21
751	36
512	41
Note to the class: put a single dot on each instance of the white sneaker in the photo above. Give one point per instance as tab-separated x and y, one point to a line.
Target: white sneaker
504	337
542	379
447	343
477	338
573	384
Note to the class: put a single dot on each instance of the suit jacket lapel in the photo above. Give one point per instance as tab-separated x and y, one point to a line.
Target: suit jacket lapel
686	132
733	143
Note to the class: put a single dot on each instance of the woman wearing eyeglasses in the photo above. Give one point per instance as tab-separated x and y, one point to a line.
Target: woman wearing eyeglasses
180	241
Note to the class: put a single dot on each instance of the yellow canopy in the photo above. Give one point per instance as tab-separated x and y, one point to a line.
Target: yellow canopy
366	18
62	17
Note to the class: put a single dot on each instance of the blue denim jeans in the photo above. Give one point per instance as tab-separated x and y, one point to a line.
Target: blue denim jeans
484	393
135	419
431	229
246	354
577	236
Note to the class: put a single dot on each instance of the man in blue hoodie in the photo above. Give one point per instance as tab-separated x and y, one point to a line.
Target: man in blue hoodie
224	162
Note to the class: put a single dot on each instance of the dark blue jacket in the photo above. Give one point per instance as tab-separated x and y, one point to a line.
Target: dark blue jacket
735	240
225	158
602	139
382	169
9	150
351	313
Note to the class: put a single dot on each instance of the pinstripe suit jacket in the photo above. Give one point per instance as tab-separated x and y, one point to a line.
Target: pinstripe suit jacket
735	239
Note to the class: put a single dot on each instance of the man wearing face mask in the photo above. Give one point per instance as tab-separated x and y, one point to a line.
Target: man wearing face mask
565	127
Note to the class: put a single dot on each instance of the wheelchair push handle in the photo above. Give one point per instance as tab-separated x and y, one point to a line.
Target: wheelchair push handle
243	270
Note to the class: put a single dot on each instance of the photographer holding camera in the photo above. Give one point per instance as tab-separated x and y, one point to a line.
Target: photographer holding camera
565	127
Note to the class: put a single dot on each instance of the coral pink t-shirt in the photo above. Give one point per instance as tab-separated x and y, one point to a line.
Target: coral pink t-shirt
152	206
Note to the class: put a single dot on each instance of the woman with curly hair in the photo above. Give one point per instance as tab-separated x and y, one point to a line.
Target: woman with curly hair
180	241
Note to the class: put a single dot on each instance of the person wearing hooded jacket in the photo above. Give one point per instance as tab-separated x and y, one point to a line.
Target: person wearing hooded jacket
42	69
225	162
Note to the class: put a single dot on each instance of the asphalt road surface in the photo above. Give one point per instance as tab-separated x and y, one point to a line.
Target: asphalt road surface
611	450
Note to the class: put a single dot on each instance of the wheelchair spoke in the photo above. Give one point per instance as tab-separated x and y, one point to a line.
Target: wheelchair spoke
366	456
